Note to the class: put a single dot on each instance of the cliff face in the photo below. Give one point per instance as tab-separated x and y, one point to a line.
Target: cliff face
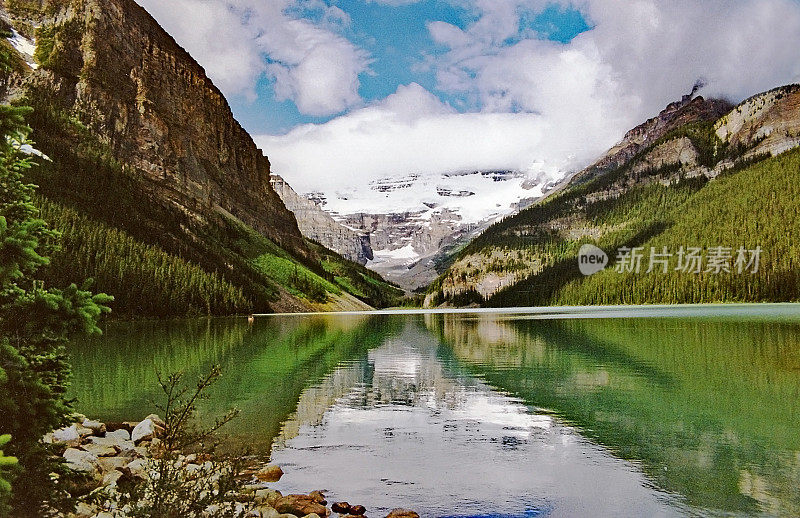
686	111
110	67
318	225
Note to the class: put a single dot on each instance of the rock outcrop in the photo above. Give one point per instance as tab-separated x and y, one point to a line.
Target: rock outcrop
765	123
109	67
318	225
679	113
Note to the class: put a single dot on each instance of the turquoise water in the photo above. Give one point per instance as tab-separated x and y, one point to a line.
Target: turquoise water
647	411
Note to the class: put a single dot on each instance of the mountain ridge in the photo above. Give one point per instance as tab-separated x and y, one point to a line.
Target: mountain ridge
141	140
531	258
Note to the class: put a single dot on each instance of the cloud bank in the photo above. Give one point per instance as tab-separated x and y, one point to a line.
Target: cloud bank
544	104
536	104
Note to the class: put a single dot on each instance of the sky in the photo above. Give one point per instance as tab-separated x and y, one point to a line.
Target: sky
341	92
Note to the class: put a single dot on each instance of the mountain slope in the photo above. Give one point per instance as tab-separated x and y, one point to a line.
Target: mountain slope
704	183
141	141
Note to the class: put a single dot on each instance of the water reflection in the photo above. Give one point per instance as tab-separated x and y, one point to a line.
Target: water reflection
408	425
493	414
265	366
709	408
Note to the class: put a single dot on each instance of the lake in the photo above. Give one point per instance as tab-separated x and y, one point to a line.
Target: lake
620	411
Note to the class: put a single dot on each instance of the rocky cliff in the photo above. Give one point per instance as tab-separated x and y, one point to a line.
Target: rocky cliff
318	225
145	150
677	114
108	66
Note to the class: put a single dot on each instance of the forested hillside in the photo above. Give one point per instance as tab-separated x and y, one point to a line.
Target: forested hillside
726	183
163	199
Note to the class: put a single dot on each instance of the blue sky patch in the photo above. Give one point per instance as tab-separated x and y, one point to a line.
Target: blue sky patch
397	39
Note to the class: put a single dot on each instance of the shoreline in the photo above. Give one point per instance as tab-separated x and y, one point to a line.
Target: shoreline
108	456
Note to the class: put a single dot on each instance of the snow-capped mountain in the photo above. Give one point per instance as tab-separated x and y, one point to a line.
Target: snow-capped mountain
413	219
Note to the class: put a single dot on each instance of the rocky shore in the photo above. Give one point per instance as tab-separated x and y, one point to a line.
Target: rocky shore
107	456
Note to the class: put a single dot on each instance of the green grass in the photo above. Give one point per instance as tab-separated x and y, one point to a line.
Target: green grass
296	278
357	280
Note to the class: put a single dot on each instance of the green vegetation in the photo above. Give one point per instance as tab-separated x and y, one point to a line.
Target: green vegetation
266	365
208	491
357	280
6	463
690	213
145	279
651	208
701	405
134	245
35	322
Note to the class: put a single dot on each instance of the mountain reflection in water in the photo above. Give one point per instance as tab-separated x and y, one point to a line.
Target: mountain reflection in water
407	426
573	412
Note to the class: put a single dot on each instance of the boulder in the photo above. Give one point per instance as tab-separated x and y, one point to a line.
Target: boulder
268	512
318	497
95	426
137	468
358	510
83	461
157	420
269	474
68	435
83	510
144	431
111	477
267	496
341	507
402	513
109	464
83	431
300	505
113	441
122	434
100	450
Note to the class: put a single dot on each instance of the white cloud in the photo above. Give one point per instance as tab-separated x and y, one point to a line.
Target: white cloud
543	102
239	40
412	131
539	102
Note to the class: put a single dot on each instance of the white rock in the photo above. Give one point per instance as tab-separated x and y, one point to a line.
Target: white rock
156	420
67	435
138	468
79	460
99	450
143	431
269	512
84	509
121	445
121	434
111	477
95	426
108	464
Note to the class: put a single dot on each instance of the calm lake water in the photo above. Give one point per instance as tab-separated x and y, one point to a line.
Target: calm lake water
552	412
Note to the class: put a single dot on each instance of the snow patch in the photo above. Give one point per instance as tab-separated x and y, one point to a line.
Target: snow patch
25	47
406	255
474	197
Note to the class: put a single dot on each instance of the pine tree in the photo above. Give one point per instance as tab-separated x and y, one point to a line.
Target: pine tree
35	321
